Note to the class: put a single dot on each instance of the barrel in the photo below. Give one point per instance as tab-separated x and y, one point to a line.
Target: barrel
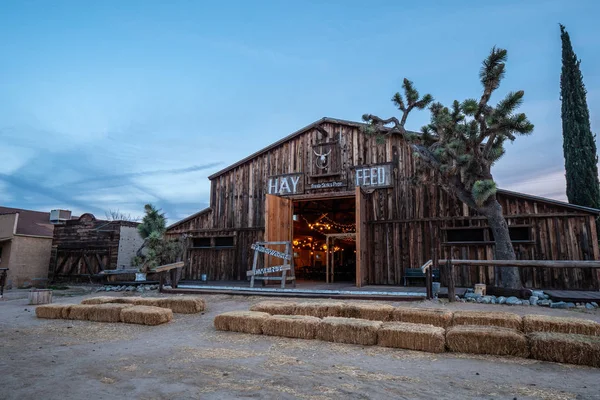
40	296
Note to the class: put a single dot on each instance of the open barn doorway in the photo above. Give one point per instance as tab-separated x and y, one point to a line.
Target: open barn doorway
324	240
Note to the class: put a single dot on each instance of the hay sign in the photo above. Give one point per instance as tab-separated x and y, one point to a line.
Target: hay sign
283	185
288	265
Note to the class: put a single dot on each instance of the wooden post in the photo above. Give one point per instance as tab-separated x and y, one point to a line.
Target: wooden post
161	281
450	274
428	283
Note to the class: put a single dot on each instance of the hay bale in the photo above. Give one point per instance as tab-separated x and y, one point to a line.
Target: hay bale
146	315
292	326
320	310
370	311
146	301
565	348
108	312
486	318
99	300
241	321
275	307
427	316
179	305
404	335
543	323
494	340
80	311
348	330
53	311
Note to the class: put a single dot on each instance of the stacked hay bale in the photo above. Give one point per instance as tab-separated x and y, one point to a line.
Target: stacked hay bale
146	315
53	311
543	323
427	316
179	305
320	310
348	330
481	339
275	307
404	335
500	319
292	326
241	321
109	312
370	311
565	348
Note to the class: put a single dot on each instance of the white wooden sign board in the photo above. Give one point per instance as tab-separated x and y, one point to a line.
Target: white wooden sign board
288	264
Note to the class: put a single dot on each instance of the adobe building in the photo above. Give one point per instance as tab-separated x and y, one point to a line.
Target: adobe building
331	178
25	246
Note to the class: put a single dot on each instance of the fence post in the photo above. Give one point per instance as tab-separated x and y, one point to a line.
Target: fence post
450	277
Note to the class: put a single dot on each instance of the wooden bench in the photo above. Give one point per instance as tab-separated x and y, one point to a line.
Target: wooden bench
417	273
172	270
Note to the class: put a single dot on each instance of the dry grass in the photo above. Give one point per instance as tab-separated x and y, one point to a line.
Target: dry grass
348	330
370	311
477	339
109	312
543	323
501	319
80	311
427	316
320	310
182	305
241	321
275	307
565	348
53	311
404	335
146	315
292	326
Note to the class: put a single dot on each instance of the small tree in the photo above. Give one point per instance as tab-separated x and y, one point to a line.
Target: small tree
157	249
116	215
462	143
579	144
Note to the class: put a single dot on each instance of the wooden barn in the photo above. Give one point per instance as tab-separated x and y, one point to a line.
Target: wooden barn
86	246
331	181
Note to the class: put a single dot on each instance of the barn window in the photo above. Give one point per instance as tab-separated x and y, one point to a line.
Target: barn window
201	243
458	235
224	241
520	233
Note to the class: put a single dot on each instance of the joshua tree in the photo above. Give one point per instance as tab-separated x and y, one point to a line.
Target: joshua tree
579	144
462	143
157	249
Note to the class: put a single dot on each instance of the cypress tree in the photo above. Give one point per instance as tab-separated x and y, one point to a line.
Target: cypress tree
579	144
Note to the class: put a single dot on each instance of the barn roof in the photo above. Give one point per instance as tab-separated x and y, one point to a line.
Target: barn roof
285	139
33	223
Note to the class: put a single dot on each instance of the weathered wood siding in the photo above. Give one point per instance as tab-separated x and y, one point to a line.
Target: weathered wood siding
406	222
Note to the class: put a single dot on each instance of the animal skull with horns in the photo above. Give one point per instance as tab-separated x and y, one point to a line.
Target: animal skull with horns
321	160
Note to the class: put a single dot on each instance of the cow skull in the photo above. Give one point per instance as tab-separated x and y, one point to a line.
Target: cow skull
321	160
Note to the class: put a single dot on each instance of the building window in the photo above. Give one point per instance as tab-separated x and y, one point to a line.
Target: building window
461	235
224	241
201	243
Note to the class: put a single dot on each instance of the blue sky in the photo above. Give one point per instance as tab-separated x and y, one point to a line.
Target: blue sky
113	104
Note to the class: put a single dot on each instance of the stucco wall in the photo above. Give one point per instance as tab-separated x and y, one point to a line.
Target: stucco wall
7	225
129	243
29	259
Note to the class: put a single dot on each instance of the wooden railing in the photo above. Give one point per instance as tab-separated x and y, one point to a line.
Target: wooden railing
449	267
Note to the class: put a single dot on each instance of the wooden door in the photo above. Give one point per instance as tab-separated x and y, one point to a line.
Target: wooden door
362	264
278	222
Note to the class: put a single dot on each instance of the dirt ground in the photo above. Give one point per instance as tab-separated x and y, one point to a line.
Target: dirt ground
188	359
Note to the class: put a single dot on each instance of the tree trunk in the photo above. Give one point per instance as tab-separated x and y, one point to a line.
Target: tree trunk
509	276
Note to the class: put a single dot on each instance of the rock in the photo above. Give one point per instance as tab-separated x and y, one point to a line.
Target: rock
570	305
538	293
471	296
546	297
501	300
493	301
513	301
129	289
544	303
487	299
100	290
594	304
589	306
533	300
525	302
558	304
471	300
469	290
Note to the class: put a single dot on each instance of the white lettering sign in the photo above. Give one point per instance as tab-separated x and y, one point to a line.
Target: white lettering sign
282	185
373	175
